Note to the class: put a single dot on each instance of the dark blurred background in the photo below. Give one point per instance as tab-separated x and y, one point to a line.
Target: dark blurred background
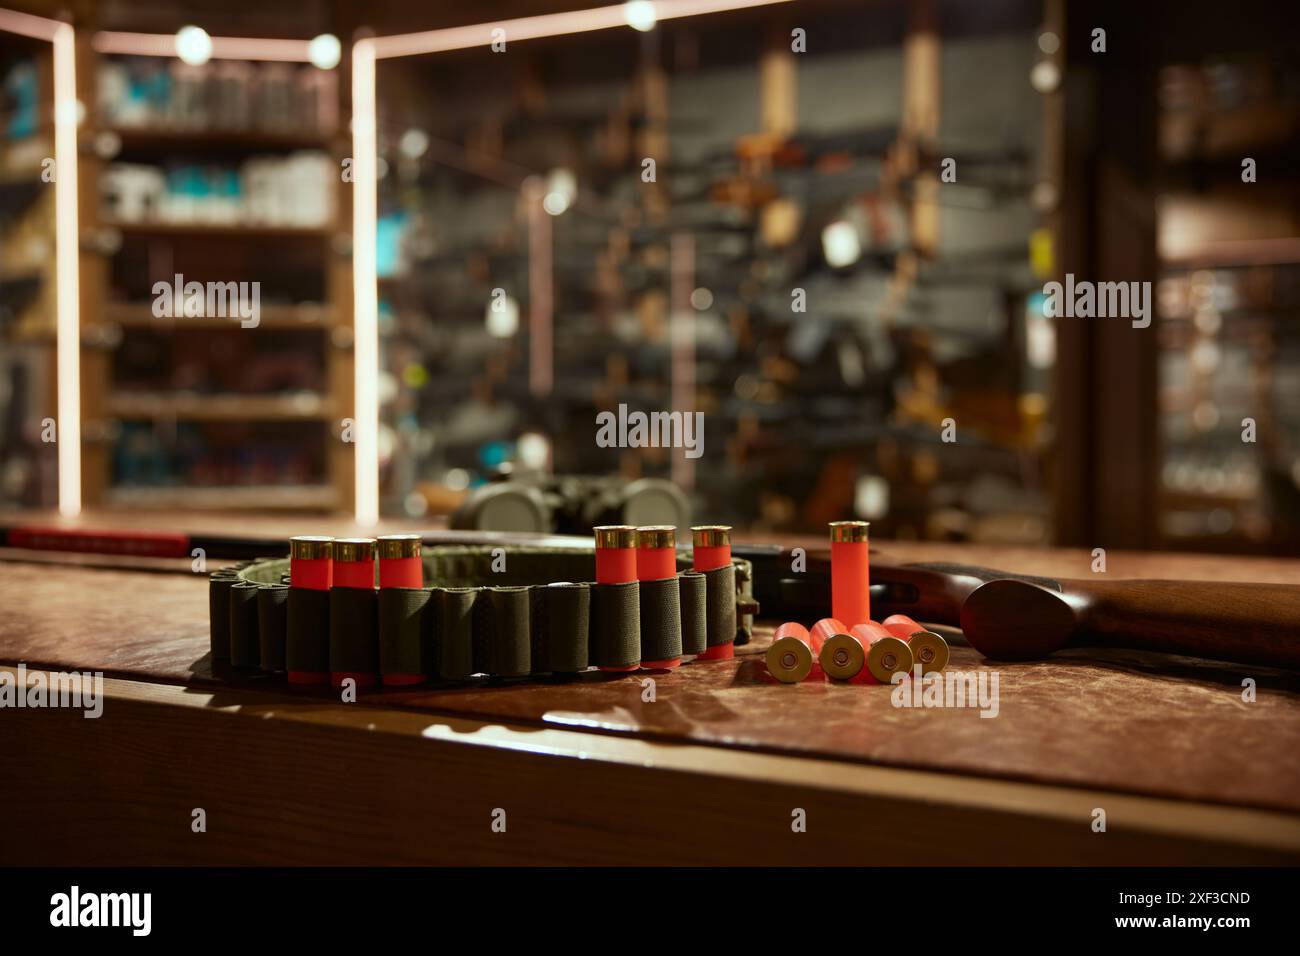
799	270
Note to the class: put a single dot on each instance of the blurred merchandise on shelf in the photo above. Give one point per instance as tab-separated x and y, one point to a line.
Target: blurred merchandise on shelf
293	190
203	464
221	95
21	95
200	362
789	234
1229	296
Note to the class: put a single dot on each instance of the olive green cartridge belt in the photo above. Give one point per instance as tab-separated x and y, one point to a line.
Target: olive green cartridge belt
531	619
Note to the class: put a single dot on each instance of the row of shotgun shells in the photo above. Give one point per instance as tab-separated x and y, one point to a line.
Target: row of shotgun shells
872	652
321	563
625	553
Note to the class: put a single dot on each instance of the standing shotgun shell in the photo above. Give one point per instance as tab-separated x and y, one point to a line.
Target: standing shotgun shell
710	547
793	652
401	566
354	567
311	566
656	552
656	560
615	553
616	563
311	560
354	563
850	572
711	550
886	655
929	650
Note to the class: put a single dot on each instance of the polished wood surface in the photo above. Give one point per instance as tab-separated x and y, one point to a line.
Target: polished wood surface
1118	729
284	781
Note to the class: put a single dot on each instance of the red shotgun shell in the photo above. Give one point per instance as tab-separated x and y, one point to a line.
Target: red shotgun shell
615	553
791	657
710	547
840	654
354	567
656	560
354	563
311	560
886	655
616	563
656	552
850	572
710	550
929	650
401	566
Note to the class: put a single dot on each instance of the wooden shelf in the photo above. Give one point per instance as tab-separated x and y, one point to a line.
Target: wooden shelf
238	249
1235	252
139	315
218	408
234	497
163	139
218	230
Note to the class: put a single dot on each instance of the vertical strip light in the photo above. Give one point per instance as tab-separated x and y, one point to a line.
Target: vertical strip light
365	282
66	246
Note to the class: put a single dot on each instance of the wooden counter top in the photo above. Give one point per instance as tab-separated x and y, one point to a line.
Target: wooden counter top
1184	767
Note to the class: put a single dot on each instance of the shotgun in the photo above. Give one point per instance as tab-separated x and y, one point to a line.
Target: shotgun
1016	617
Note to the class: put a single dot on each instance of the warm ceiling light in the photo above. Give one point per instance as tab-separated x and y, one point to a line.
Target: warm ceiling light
640	15
193	45
325	51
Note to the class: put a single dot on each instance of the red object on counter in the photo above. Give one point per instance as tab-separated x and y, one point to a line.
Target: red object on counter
615	554
791	657
311	561
656	560
930	651
841	655
401	565
656	552
354	567
616	563
710	550
400	562
354	563
850	572
135	544
710	547
885	654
